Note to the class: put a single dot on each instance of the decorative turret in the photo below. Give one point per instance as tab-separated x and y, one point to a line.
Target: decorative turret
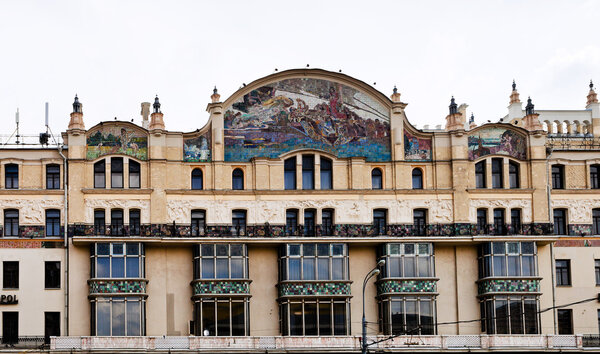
531	120
529	107
472	124
215	97
455	119
515	109
395	96
76	121
592	97
156	119
514	96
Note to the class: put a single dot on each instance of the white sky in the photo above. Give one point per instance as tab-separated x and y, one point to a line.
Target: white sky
116	54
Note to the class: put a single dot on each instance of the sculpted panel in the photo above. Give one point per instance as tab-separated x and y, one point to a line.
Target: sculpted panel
32	211
507	204
580	210
125	204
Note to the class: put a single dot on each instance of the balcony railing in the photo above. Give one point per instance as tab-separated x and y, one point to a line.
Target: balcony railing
28	342
30	231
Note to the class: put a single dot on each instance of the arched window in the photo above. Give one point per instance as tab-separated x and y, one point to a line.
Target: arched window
558	177
134	174
116	172
237	179
417	178
100	174
595	176
308	171
513	174
480	174
326	174
376	179
197	181
289	173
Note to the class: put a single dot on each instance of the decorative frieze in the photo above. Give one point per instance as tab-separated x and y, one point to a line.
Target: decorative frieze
314	288
221	287
400	286
99	287
494	286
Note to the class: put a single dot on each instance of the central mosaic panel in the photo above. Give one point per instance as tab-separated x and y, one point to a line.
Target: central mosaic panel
307	113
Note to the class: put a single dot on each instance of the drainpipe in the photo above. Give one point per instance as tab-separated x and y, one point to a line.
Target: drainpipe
66	234
548	192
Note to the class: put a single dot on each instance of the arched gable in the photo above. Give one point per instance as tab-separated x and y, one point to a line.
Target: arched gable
197	146
312	112
109	138
417	145
497	139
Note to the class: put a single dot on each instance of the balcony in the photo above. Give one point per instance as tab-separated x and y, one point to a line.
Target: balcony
30	231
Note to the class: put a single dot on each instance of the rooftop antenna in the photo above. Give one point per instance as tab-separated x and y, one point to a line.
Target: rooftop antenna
17	121
45	136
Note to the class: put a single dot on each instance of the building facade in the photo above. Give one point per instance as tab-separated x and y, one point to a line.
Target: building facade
257	230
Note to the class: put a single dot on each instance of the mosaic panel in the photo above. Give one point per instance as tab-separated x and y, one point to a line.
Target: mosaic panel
30	244
580	229
415	148
221	287
125	286
388	286
508	285
494	140
198	148
307	113
117	139
318	289
32	231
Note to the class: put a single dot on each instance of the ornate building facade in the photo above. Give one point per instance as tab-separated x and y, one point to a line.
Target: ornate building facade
257	230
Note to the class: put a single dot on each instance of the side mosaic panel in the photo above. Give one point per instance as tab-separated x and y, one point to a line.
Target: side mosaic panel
133	286
495	140
307	113
198	148
508	285
221	287
415	148
391	286
308	289
115	139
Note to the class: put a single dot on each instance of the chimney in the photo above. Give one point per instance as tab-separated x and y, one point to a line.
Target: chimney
156	122
76	121
145	114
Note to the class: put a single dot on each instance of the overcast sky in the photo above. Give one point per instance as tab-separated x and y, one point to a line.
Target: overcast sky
116	54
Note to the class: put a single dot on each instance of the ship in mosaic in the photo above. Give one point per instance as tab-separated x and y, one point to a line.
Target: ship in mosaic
307	113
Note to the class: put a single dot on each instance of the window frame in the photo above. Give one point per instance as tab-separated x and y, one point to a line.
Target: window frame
417	176
376	178
480	174
399	255
198	222
560	222
100	174
563	272
112	255
12	223
10	277
561	313
296	260
239	221
11	177
237	179
135	172
52	281
507	255
558	176
328	227
197	179
117	172
290	180
490	324
53	177
514	175
308	172
52	222
388	326
319	331
380	221
111	300
215	258
199	317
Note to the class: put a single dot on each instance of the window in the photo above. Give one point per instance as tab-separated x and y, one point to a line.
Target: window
237	179
515	221
411	315
52	275
221	317
563	272
499	224
51	325
417	178
597	270
596	221
289	173
117	260
197	182
315	317
116	172
327	222
10	327
118	316
134	222
11	222
513	259
565	321
595	176
198	222
480	174
376	179
510	314
309	222
52	222
116	222
134	174
326	173
560	221
220	261
239	223
380	221
419	222
497	181
308	172
310	261
52	177
558	176
99	222
408	260
481	221
11	176
513	174
291	222
99	174
10	275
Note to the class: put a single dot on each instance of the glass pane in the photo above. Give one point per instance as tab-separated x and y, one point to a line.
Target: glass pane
237	268
133	318
296	319
513	266
424	267
237	250
337	269
325	328
501	316
308	249
409	267
395	266
409	248
238	322
528	265
133	267
426	317
293	250
498	247
132	249
310	319
208	318
103	248
117	248
323	268
208	268
394	249
397	317
513	247
294	269
531	317
118	267
222	268
103	318
223	327
323	249
208	250
411	317
337	250
516	317
339	319
308	269
118	318
527	247
222	250
499	265
103	267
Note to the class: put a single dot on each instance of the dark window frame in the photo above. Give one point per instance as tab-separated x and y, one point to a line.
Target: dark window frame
10	275
52	275
52	176
514	175
497	173
417	178
560	221
197	179
135	171
100	174
53	222
480	174
308	172
376	178
558	176
198	220
11	176
116	172
289	174
565	321
237	179
380	222
563	272
239	220
326	172
11	222
595	176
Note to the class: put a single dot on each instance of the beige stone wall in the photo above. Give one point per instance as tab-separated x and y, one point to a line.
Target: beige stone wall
264	309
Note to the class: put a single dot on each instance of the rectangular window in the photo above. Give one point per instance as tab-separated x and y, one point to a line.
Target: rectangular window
315	317
499	225
52	222
497	180
52	177
117	260
52	275
513	175
220	261
11	176
326	174
560	222
565	321
563	272
116	172
308	172
310	261
558	177
99	222
198	222
408	260
51	325
480	174
596	221
117	227
134	222
419	222
289	167
594	177
118	316
10	327
11	222
380	221
407	315
134	174
100	174
291	222
10	275
309	222
502	259
327	222
221	317
597	271
482	221
510	315
238	223
515	221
